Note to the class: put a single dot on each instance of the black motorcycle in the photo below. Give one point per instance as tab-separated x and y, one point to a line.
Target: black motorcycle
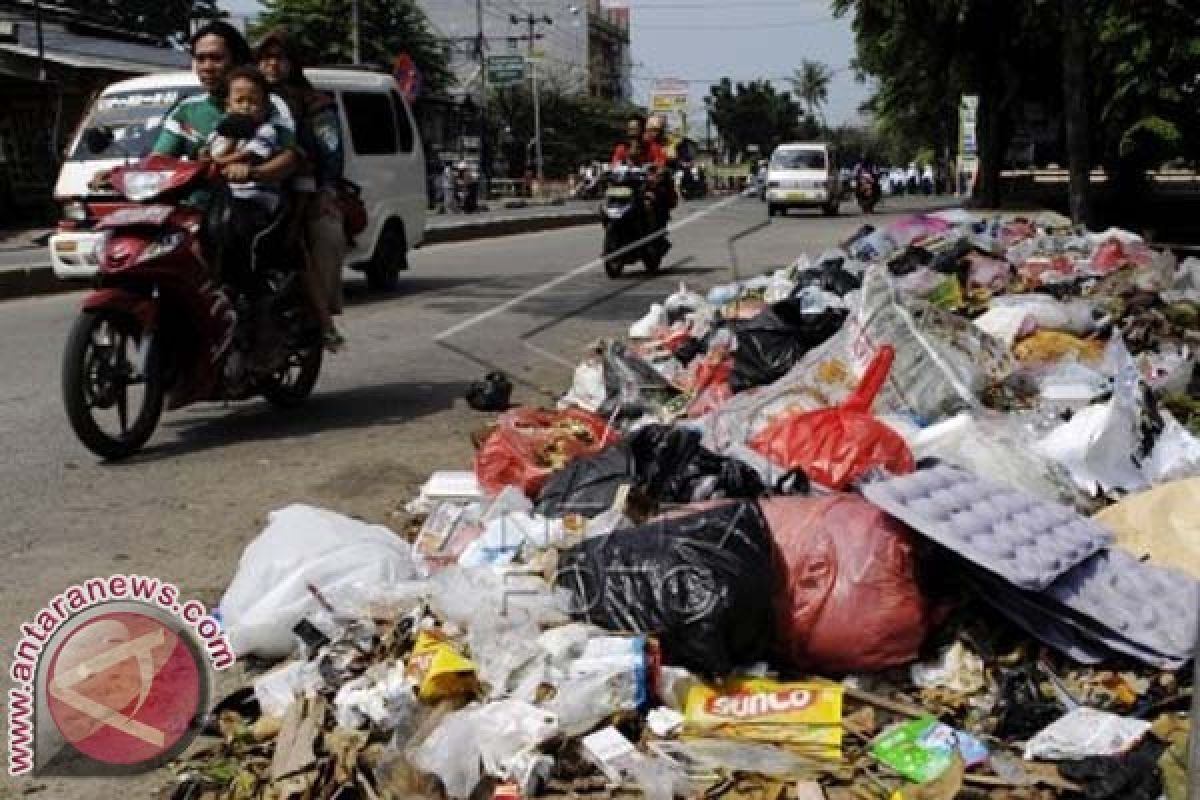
628	218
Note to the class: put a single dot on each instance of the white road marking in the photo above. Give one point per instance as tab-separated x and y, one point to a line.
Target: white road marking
567	276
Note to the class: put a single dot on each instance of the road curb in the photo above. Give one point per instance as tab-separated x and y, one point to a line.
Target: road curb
18	282
488	229
32	281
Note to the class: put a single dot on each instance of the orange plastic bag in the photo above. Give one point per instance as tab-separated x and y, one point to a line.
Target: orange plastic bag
528	445
835	446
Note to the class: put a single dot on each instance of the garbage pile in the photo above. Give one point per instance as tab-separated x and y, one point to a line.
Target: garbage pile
917	519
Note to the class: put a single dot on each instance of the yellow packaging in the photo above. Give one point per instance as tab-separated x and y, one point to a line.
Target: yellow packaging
1054	346
805	717
438	669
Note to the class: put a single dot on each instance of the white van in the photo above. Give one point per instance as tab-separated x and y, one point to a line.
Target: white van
383	156
803	175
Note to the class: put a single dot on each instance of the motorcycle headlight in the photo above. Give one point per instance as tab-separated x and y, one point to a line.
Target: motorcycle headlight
143	185
75	211
161	246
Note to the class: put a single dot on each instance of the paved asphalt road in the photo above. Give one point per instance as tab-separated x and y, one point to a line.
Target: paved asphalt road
386	412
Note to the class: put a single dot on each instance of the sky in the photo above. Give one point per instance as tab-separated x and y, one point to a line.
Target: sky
702	40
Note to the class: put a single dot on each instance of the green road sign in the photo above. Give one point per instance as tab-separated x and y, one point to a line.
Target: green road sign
505	70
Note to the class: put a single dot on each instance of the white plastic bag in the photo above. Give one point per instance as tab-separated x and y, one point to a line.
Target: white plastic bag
497	738
1085	732
303	546
587	389
644	328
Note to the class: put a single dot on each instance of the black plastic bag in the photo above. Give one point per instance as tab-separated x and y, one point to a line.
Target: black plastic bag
493	393
1131	776
771	343
588	485
695	582
673	467
831	275
766	349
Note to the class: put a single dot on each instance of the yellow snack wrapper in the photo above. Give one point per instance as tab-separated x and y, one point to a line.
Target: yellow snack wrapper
438	669
804	717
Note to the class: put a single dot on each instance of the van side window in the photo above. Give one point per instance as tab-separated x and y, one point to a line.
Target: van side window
402	124
372	123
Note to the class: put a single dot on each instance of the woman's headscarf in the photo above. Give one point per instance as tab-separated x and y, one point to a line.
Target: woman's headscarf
278	37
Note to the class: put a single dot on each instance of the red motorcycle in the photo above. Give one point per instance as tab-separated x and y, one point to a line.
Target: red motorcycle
161	324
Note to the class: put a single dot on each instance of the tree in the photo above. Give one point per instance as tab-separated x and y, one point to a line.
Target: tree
1075	95
167	19
1145	101
575	128
1121	73
926	53
811	84
322	28
755	114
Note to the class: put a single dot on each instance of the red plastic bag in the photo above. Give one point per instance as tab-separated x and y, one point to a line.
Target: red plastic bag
835	446
528	445
1109	256
846	597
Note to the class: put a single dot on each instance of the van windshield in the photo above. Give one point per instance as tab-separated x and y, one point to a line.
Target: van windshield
798	159
134	118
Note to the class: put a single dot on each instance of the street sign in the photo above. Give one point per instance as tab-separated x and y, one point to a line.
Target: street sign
668	102
505	70
669	94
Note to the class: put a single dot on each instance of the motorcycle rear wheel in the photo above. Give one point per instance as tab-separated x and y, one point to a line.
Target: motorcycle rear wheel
97	374
291	386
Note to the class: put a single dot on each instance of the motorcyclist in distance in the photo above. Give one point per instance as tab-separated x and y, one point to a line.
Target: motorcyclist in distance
629	150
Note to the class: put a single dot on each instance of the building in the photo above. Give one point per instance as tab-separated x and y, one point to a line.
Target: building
582	47
46	91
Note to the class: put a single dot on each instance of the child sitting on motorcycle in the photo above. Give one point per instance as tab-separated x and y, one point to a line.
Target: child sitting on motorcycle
254	201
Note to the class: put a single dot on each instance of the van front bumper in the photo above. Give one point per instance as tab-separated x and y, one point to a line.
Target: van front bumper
798	197
74	255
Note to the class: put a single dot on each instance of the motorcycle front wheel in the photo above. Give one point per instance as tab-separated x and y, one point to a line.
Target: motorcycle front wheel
111	407
612	266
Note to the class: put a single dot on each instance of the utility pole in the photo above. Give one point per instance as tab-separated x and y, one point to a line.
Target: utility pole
485	164
354	32
533	21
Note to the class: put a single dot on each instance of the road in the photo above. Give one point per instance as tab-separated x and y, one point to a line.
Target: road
387	411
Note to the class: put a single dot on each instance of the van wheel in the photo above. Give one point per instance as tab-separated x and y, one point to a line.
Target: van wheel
772	210
831	210
391	256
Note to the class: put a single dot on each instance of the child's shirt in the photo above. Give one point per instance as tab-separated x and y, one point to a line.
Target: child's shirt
264	146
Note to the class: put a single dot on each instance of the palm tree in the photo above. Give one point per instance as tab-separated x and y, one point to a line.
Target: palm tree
811	84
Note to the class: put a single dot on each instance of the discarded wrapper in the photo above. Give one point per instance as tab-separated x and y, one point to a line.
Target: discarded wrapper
801	716
922	749
438	669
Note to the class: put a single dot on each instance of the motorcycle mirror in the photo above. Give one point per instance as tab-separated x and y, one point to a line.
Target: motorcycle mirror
99	139
237	126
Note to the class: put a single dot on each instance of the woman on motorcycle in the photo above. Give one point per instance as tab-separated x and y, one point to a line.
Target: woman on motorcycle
315	185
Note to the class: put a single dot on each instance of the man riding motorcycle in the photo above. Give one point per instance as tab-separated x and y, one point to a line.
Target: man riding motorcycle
645	148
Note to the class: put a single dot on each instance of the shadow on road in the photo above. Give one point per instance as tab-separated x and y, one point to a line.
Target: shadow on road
364	407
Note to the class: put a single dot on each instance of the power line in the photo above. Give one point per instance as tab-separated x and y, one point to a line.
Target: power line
810	23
